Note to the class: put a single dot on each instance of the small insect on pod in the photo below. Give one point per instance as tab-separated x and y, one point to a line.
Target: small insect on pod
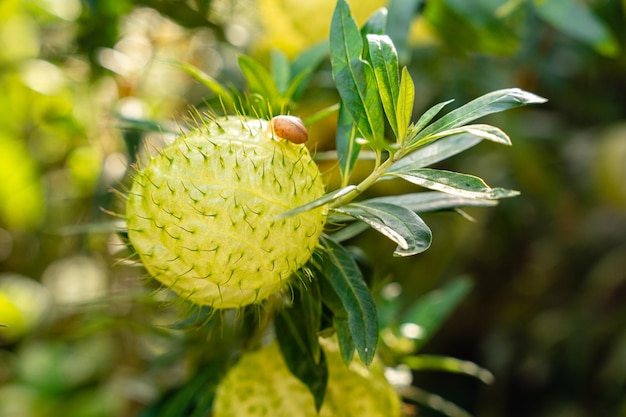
289	128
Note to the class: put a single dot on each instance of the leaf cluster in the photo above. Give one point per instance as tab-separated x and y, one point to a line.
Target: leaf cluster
375	117
376	93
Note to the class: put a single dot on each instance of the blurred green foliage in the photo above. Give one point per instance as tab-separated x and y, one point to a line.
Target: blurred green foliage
88	336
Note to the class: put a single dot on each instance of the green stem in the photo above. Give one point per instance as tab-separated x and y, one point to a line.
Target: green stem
378	171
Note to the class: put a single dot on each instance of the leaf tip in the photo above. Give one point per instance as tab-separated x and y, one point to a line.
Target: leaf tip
525	97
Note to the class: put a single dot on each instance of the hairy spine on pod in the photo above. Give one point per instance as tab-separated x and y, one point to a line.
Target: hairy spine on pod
203	215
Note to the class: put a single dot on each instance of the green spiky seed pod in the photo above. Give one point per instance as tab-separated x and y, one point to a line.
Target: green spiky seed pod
203	215
260	385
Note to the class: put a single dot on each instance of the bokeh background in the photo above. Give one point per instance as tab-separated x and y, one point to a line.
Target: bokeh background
86	334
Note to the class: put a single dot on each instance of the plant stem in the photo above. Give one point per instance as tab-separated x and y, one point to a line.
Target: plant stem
378	171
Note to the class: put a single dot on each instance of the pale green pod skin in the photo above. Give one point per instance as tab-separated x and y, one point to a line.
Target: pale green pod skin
261	385
203	215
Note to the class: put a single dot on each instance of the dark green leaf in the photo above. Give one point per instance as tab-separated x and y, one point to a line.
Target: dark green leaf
325	199
347	148
404	107
431	310
399	224
575	19
355	77
346	279
340	319
375	25
436	152
454	183
418	202
344	338
345	39
296	331
308	303
384	59
493	102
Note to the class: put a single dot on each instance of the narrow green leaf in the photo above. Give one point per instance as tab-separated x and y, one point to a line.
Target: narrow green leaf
340	319
296	86
428	116
376	23
447	364
399	224
436	152
431	310
346	279
209	82
429	201
344	338
346	43
482	131
454	183
259	80
404	106
325	199
354	77
423	202
493	102
308	303
320	115
384	59
280	70
296	332
577	20
310	59
345	141
303	66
